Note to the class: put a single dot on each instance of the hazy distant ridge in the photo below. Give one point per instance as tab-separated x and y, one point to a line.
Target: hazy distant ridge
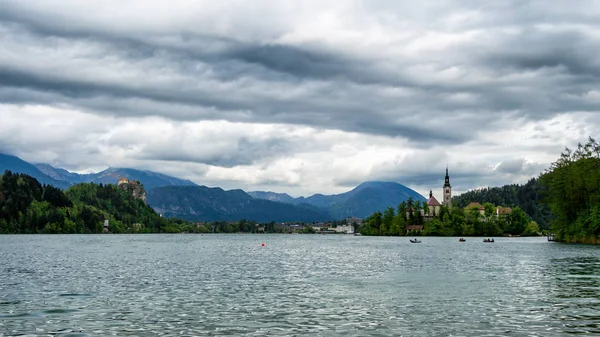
362	201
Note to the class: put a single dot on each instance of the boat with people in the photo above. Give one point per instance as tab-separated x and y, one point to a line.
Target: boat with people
415	240
489	240
462	240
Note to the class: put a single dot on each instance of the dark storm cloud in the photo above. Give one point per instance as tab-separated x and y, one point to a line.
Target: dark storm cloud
293	61
276	60
243	151
332	106
573	52
81	89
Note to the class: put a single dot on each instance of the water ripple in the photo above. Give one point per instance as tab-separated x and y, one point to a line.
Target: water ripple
212	285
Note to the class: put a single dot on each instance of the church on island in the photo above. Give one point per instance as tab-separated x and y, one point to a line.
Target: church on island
433	204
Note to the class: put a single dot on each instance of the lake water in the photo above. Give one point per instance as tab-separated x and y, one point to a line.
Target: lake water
296	285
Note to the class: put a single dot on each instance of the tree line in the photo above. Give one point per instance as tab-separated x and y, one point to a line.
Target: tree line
529	197
410	215
28	207
572	191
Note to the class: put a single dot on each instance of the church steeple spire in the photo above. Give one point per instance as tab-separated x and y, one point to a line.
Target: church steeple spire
447	190
447	180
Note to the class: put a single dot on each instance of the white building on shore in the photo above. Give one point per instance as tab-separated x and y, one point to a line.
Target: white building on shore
347	229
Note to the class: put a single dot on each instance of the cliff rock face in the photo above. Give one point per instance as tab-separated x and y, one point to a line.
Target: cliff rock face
135	188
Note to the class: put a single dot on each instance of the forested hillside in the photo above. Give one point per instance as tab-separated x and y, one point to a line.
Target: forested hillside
573	185
26	206
529	197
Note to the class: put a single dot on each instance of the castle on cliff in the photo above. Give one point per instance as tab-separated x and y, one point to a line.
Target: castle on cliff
134	187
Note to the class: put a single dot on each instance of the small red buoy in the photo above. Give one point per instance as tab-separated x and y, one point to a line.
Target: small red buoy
263	244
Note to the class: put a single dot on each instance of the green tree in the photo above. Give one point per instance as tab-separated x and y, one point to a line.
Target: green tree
308	229
572	191
532	229
517	221
387	222
490	209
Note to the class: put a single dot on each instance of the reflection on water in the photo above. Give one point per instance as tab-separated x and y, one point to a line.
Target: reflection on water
296	285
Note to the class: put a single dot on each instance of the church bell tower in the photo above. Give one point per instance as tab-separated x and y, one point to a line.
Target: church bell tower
447	190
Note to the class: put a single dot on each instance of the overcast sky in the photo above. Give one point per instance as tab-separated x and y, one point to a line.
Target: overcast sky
301	96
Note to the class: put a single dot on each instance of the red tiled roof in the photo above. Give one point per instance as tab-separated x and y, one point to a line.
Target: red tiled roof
433	202
474	204
504	210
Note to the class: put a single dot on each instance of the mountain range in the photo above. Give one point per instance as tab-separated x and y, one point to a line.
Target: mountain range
364	200
175	197
61	178
16	164
201	203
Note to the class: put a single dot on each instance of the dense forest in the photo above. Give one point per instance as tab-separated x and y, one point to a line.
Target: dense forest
572	187
529	197
26	206
408	218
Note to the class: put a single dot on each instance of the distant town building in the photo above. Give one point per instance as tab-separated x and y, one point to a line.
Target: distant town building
477	206
346	229
414	228
320	226
503	210
289	227
499	210
351	220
